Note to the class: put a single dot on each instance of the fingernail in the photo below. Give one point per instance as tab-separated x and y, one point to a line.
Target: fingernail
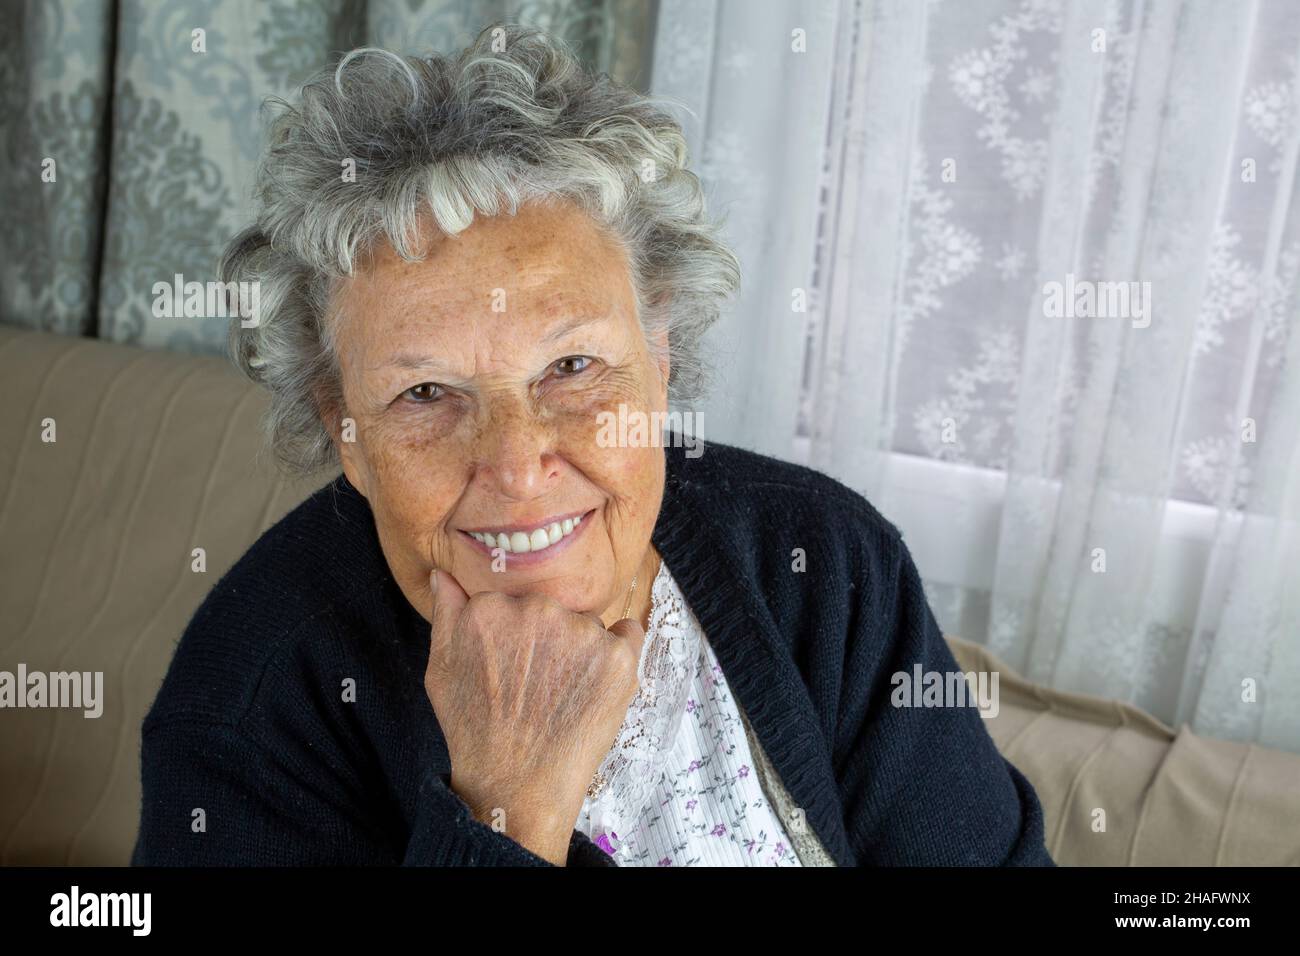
433	580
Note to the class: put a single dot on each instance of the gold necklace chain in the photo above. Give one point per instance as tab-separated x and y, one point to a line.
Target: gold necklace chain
628	609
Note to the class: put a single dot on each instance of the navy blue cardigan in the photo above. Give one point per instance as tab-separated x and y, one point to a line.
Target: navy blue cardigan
251	725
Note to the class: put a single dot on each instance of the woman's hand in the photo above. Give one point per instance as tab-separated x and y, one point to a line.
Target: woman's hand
530	697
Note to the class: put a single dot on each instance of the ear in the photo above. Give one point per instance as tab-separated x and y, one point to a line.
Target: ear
354	468
342	431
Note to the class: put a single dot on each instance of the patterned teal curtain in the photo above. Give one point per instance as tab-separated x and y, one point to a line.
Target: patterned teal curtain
129	139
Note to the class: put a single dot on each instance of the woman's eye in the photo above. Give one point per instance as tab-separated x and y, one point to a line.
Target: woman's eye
572	364
424	392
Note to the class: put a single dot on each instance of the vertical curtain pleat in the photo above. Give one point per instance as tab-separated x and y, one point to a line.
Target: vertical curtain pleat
55	65
1244	641
860	318
756	128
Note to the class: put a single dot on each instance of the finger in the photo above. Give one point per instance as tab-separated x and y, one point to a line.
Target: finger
628	630
449	600
633	634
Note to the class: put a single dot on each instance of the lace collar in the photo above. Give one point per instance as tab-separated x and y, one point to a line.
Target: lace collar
626	780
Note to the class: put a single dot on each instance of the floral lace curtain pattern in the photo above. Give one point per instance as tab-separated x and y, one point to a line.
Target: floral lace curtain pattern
154	141
909	193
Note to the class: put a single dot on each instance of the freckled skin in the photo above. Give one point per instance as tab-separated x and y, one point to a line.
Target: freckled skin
510	435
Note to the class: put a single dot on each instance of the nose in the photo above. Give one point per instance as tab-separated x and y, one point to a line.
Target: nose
516	453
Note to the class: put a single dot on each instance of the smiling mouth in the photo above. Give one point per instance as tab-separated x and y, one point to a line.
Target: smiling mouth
536	539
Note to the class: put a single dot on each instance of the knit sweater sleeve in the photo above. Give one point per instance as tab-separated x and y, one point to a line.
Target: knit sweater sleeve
214	796
288	776
923	785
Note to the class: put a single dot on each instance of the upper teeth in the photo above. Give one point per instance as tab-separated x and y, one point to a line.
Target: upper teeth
521	542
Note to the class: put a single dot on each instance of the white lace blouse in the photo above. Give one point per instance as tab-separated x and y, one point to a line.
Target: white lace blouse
680	787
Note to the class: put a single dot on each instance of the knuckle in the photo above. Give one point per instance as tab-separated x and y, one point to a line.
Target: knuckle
484	606
625	660
489	599
537	604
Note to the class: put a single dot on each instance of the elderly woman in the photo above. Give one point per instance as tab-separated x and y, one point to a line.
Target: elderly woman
499	637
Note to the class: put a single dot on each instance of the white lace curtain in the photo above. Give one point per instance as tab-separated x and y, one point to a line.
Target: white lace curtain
1111	503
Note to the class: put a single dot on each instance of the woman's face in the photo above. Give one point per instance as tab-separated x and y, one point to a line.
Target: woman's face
475	379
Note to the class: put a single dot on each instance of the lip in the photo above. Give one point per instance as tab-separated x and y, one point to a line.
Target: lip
523	560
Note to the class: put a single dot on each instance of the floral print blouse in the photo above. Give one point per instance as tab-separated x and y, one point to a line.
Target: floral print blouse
702	803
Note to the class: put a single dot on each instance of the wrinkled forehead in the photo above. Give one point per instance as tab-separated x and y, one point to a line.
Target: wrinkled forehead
512	282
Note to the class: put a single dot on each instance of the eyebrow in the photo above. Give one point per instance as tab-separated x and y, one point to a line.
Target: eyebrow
412	360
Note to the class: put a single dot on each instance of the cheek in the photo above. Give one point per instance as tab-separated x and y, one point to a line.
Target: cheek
580	419
630	478
630	475
415	485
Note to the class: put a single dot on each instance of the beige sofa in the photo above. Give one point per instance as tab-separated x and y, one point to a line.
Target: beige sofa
156	454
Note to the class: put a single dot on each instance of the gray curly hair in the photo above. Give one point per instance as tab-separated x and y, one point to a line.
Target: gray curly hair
511	119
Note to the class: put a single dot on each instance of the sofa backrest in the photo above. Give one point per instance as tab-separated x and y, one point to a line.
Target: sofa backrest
155	455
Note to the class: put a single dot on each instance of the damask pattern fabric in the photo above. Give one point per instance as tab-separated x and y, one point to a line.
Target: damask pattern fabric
52	124
155	130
